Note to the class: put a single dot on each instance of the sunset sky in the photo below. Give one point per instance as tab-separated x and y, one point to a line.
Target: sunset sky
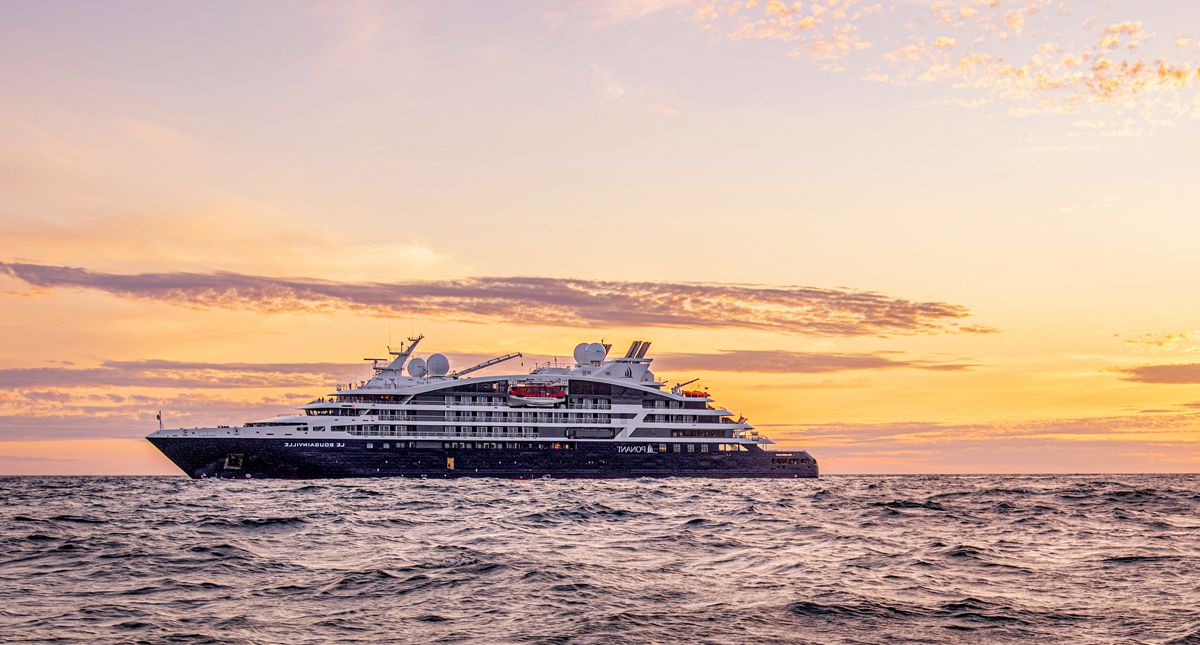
907	236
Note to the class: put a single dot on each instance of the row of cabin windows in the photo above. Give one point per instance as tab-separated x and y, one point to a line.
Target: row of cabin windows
376	430
792	461
713	434
569	445
462	431
672	404
686	418
382	430
514	418
482	445
525	415
701	447
393	430
572	404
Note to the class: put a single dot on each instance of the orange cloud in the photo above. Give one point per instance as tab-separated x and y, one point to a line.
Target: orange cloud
531	300
972	45
1111	70
788	362
1177	374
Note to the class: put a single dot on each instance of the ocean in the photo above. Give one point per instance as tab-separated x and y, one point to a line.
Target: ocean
842	559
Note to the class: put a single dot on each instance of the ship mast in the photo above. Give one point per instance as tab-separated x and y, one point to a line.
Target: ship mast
397	365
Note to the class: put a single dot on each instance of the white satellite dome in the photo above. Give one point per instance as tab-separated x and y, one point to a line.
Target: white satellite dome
416	367
438	364
596	352
581	353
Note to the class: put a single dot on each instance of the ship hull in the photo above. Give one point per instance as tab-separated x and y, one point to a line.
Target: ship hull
245	458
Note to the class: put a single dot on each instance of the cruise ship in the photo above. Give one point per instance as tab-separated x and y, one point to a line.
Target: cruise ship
598	417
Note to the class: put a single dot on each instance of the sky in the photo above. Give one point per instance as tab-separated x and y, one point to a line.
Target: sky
909	236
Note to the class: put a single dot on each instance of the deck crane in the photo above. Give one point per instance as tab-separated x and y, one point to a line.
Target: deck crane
679	386
488	363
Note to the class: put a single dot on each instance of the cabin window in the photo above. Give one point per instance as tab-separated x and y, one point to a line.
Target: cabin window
703	447
370	446
678	447
387	446
662	447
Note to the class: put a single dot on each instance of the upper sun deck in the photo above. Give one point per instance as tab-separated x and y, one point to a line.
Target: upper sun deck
433	373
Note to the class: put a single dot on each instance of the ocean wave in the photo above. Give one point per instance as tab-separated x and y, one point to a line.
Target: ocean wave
840	559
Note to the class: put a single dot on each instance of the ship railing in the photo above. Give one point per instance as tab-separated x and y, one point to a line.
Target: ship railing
582	405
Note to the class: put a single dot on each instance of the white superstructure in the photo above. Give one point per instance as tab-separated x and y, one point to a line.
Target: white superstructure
603	400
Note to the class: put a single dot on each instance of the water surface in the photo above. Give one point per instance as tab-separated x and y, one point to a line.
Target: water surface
841	559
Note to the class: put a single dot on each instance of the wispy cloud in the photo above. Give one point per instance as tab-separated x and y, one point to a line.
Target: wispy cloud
614	11
1177	374
1117	64
1033	54
825	31
120	398
57	384
632	99
1187	342
788	362
533	300
610	88
176	374
158	373
135	415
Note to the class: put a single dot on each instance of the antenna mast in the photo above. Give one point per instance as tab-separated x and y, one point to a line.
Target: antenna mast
402	356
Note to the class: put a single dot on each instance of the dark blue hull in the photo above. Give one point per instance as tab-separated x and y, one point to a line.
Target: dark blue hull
316	459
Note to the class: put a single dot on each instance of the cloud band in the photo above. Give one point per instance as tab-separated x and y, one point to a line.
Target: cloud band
533	300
